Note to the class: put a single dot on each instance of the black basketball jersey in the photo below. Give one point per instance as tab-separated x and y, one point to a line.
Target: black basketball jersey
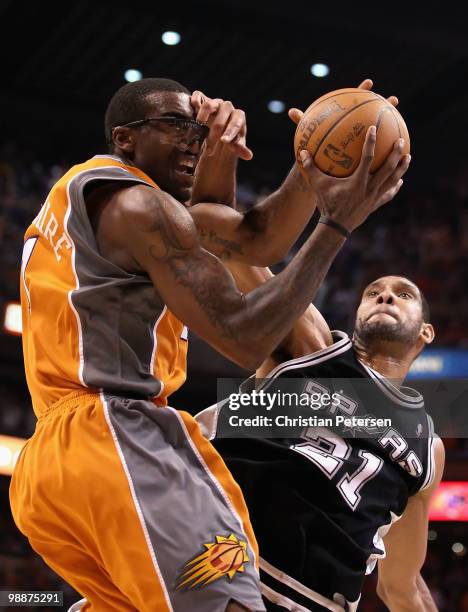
321	503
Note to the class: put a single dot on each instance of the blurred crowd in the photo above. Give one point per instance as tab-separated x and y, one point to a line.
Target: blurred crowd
24	184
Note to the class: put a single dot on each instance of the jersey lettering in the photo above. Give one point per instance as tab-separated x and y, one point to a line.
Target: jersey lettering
412	464
349	486
49	230
328	452
394	439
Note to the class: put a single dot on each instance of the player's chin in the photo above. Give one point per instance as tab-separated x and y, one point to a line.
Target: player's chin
182	194
182	189
381	328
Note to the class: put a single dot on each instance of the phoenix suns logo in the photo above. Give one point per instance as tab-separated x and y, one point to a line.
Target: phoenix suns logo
223	557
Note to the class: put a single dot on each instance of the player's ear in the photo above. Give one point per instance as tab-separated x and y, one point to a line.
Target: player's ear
427	333
122	137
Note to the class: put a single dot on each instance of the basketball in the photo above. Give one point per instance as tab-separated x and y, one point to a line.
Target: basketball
334	127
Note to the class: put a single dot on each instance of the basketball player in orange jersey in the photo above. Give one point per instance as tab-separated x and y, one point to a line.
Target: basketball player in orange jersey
128	502
322	506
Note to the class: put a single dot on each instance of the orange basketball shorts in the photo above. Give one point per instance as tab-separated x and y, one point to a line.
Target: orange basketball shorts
134	508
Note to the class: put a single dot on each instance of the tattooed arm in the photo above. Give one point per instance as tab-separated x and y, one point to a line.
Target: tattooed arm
264	234
141	228
309	334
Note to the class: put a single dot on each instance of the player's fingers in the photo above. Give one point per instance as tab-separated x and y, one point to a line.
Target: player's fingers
390	164
196	100
209	107
241	150
306	161
368	151
218	124
388	195
400	170
235	125
295	114
393	100
366	84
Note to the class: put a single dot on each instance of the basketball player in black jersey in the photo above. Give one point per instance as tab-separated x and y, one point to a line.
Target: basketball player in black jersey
322	505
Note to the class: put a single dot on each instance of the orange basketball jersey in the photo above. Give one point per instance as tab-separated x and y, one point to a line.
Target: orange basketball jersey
87	322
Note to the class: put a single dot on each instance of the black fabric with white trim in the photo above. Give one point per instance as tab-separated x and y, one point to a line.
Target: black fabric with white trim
320	505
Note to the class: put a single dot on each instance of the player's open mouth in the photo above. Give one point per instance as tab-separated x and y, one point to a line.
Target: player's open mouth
186	170
184	175
186	167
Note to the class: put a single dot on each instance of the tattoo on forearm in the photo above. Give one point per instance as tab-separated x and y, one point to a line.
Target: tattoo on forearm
211	238
270	311
201	273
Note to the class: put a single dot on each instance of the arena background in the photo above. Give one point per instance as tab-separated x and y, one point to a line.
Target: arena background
60	65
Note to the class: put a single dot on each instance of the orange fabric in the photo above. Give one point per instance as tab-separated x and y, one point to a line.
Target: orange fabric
86	529
170	369
51	329
216	465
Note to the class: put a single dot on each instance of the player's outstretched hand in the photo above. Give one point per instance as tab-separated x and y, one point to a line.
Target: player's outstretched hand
349	201
227	124
296	115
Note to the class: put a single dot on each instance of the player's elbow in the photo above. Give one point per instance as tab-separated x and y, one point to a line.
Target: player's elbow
261	252
248	359
248	354
381	592
262	246
271	256
398	595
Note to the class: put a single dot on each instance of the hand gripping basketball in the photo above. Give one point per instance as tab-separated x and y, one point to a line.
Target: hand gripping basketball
349	201
296	115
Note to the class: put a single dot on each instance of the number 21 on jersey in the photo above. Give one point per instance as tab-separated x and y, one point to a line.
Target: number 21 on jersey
328	452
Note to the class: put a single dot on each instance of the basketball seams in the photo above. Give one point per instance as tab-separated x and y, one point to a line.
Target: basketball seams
331	128
343	93
380	117
397	122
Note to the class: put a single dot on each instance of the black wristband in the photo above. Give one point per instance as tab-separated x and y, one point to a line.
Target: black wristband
339	228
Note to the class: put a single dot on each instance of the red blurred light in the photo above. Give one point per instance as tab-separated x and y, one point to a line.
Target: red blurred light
450	502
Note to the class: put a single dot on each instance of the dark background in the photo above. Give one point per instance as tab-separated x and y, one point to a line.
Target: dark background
60	64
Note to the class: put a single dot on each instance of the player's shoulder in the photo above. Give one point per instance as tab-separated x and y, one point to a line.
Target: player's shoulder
438	459
142	219
144	207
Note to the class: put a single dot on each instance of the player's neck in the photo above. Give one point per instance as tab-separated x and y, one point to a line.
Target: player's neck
388	361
